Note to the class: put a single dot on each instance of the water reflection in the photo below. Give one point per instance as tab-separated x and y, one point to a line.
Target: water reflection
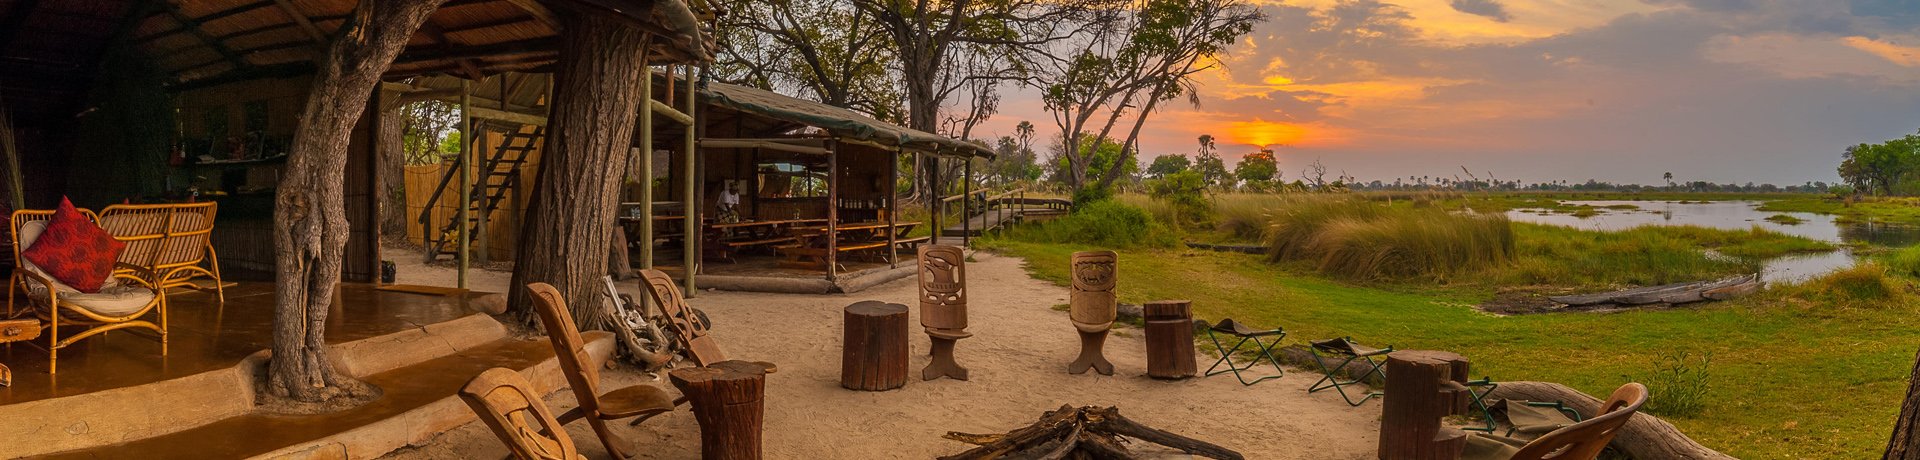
1738	215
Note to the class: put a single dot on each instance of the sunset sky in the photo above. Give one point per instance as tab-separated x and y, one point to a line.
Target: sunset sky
1615	90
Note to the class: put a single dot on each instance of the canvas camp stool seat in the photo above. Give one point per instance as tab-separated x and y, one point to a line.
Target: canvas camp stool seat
1479	389
1344	347
1263	349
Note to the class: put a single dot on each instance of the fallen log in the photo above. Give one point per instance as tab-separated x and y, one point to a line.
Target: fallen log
1676	293
1644	437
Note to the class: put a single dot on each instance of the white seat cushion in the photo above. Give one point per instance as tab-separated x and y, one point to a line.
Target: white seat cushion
116	297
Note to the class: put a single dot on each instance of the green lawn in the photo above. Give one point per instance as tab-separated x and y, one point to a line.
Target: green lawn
1790	379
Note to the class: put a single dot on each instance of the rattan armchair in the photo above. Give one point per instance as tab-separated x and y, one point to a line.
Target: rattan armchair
129	294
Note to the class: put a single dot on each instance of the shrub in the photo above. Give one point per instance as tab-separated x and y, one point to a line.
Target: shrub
1106	223
1186	191
1679	385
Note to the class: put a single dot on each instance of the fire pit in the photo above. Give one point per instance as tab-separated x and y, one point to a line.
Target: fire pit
1091	432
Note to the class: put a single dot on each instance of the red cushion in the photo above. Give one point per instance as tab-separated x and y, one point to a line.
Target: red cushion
74	250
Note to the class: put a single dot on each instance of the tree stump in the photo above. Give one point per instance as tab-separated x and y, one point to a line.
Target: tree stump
727	402
1170	351
873	355
1423	387
1093	308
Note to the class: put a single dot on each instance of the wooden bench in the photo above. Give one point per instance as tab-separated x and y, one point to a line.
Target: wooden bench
797	256
912	243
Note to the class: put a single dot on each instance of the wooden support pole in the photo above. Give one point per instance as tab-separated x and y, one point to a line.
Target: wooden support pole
873	352
481	196
646	165
1425	387
893	208
833	211
966	203
690	224
933	201
466	181
728	402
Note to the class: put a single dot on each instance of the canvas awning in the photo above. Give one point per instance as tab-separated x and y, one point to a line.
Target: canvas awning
847	124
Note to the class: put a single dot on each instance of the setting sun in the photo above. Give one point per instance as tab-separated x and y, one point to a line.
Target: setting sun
1265	133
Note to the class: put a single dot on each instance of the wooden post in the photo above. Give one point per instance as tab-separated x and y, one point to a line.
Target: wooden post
690	238
466	180
1093	307
646	162
833	208
966	203
873	355
1170	353
893	208
1425	387
933	189
480	191
728	403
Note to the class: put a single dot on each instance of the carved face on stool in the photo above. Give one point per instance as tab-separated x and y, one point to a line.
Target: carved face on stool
943	287
1093	297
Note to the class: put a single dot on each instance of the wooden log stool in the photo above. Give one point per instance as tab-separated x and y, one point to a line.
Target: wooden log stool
1093	300
1426	386
1170	350
943	307
727	399
873	355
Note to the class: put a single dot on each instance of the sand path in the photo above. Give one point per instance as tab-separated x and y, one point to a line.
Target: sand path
1017	358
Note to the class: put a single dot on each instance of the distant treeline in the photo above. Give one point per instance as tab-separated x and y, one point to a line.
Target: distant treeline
1886	168
1589	186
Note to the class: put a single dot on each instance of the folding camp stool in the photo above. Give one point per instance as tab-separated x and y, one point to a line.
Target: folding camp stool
1533	419
1344	347
1265	349
1479	389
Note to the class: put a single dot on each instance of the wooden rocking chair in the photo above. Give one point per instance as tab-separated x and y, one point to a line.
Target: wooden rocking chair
643	401
509	406
685	324
172	240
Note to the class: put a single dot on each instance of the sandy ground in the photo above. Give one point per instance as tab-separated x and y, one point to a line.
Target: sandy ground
1017	357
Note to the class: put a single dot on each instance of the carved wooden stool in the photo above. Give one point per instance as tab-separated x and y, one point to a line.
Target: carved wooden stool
1426	387
16	330
943	307
1170	350
873	356
728	403
1093	299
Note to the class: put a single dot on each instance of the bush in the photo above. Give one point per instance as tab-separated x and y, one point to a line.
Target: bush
1106	223
1679	384
1186	191
1866	284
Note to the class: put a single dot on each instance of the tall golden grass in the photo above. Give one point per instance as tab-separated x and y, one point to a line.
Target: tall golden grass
1360	239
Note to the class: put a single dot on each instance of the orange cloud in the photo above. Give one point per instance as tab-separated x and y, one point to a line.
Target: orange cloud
1902	55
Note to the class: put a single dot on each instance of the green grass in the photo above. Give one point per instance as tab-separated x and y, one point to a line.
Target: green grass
1894	210
1794	376
1784	219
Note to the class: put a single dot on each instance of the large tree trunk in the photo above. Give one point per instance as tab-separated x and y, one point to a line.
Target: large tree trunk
392	151
1905	444
310	212
570	219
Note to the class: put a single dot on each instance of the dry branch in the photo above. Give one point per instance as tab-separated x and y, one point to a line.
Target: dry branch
1089	431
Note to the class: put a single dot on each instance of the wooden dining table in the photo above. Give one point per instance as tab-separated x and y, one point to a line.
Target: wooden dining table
810	243
725	240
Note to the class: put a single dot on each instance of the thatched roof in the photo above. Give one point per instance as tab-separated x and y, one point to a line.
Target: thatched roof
729	109
204	39
842	122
